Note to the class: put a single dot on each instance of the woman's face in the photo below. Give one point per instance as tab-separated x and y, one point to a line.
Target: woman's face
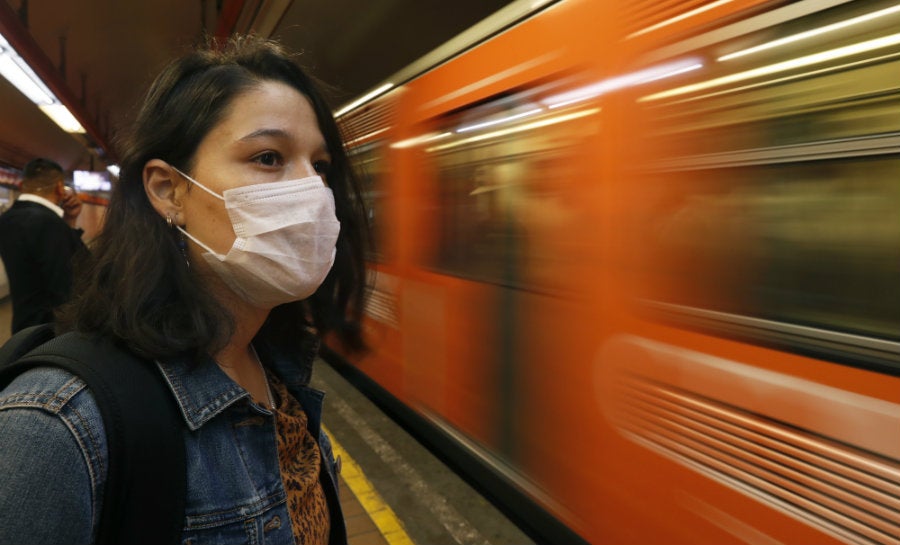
269	134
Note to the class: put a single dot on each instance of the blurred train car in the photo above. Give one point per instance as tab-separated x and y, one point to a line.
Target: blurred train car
641	259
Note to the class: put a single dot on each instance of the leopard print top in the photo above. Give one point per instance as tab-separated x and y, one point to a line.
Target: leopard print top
299	461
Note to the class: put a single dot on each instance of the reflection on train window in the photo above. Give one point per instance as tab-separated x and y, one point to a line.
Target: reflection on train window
505	187
368	160
813	244
830	75
781	173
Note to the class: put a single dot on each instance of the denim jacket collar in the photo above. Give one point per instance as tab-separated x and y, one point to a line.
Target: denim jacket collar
203	390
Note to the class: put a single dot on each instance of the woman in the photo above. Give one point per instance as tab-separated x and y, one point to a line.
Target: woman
215	260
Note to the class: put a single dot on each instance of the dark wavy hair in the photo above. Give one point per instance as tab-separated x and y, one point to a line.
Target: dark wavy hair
136	287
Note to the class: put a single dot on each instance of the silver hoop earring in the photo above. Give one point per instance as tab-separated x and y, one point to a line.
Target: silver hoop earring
169	221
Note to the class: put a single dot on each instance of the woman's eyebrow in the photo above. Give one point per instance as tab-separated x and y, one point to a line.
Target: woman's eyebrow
260	133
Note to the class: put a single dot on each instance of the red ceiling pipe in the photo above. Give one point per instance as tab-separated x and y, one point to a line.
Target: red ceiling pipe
228	18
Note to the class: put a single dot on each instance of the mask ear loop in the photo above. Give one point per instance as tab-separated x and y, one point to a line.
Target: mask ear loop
201	186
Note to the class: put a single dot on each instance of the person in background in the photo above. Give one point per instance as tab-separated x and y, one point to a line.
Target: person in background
38	243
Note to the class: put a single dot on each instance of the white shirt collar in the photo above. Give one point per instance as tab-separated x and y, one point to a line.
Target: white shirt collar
31	197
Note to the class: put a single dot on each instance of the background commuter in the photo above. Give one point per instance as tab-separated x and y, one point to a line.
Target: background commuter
38	241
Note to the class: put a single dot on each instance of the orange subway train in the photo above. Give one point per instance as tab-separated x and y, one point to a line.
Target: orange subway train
637	265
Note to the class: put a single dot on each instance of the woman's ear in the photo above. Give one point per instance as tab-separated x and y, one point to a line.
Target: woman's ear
164	188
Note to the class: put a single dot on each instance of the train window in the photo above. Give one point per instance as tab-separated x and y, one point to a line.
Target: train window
814	243
505	186
368	160
366	131
779	173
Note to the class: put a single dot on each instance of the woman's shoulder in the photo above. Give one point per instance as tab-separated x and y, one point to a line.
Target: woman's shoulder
52	433
50	388
56	393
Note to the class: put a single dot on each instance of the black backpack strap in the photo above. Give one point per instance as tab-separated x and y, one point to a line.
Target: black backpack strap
21	343
146	483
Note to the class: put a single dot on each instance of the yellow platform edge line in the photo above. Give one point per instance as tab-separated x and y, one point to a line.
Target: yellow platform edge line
380	512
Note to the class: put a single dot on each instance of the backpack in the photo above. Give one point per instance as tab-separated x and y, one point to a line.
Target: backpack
146	483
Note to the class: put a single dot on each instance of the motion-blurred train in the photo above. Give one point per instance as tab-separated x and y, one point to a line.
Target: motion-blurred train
639	262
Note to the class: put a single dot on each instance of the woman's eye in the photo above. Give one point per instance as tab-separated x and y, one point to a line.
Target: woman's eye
269	159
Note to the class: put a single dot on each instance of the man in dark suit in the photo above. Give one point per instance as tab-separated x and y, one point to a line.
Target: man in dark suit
38	240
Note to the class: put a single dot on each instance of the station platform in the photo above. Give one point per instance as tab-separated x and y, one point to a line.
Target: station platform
393	491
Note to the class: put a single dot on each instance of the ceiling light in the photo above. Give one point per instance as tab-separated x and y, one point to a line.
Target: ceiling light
62	117
17	71
14	69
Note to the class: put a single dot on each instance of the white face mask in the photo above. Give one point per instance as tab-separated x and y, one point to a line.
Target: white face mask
285	246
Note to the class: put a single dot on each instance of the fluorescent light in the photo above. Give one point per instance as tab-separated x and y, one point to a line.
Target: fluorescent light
799	62
17	71
62	117
811	33
114	170
363	99
14	69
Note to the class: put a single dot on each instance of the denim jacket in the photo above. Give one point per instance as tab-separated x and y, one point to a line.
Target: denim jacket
53	456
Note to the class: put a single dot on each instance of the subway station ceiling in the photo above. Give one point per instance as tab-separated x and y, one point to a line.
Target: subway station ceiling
98	56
